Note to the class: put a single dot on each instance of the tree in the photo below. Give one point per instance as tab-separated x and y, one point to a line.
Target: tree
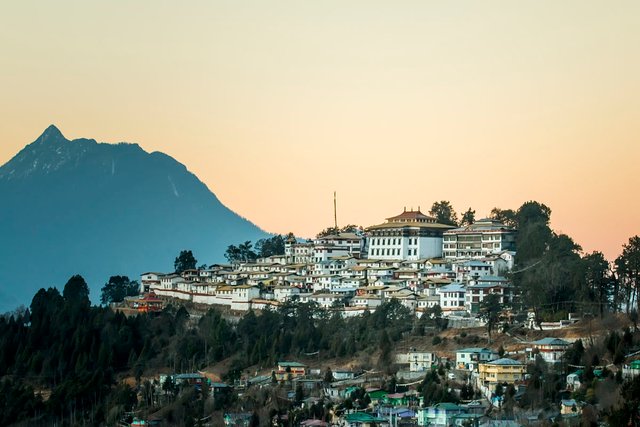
490	309
598	281
468	218
117	288
271	246
444	213
184	261
628	270
246	252
233	254
505	216
533	240
76	292
350	228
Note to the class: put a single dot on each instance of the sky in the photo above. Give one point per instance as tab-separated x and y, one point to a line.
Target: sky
276	105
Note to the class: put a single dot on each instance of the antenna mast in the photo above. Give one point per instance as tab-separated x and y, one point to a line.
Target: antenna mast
335	212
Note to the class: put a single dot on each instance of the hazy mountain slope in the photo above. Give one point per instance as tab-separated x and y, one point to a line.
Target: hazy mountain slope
79	206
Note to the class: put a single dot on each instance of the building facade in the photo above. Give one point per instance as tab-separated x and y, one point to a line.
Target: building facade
482	238
408	236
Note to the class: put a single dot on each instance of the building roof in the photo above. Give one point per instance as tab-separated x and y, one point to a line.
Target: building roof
452	287
551	341
427	225
483	225
505	362
412	216
292	364
474	350
363	417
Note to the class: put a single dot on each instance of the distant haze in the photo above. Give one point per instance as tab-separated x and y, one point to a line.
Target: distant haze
275	105
80	207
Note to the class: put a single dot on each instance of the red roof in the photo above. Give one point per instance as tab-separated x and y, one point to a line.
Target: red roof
411	216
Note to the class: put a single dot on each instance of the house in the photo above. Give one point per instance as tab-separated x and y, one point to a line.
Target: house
418	361
550	349
471	269
341	374
469	358
284	293
377	395
452	297
439	415
632	370
570	407
408	236
148	281
574	380
289	370
500	371
478	289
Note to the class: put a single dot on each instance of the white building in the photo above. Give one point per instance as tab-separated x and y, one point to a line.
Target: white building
452	297
418	361
469	358
298	253
550	349
408	236
482	238
336	245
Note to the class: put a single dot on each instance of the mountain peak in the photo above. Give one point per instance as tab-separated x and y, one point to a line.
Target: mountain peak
52	133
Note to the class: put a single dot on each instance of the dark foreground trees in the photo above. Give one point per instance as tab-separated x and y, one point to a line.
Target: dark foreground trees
77	352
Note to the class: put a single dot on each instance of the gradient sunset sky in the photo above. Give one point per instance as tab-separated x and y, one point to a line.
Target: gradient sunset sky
276	104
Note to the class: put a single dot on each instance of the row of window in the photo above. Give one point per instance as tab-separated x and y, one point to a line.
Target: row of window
392	241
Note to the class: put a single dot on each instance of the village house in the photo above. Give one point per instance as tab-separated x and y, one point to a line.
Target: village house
287	371
149	280
550	349
439	415
452	297
418	361
469	358
477	291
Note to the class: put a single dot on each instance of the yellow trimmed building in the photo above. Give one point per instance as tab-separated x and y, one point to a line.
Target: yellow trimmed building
501	371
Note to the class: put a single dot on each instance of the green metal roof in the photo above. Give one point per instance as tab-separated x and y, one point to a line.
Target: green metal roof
364	417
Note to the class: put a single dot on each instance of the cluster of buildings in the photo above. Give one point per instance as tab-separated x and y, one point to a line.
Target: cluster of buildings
482	368
410	257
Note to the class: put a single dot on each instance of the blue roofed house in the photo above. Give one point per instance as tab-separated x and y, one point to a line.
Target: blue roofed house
452	298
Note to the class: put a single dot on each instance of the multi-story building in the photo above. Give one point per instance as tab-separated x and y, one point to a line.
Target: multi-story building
451	297
408	236
482	238
500	371
298	253
418	361
478	290
336	245
469	358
